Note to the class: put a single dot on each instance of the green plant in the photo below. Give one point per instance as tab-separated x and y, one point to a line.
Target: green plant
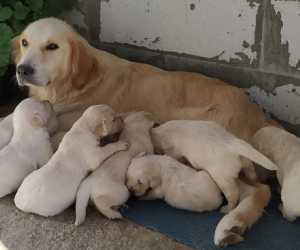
15	15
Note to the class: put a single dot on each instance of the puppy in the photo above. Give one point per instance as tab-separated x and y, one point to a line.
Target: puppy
207	145
51	189
30	146
106	186
232	226
162	177
283	148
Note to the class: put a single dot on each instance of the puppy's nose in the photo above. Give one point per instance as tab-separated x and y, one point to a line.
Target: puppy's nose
25	70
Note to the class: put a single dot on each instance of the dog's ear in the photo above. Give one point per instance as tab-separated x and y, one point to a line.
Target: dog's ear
38	121
16	50
102	129
154	181
84	66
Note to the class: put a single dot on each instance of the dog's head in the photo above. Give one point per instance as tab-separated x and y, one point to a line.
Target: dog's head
50	52
140	119
142	176
31	114
102	120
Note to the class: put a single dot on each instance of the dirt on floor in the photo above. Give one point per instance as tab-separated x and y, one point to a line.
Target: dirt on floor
20	231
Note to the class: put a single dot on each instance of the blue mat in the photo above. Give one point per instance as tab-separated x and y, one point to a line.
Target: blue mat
196	230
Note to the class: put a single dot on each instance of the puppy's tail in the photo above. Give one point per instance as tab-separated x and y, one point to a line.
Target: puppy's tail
246	150
82	199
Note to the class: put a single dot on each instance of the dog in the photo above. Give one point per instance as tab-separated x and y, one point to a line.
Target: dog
106	186
162	177
208	146
30	146
282	147
253	200
60	66
52	188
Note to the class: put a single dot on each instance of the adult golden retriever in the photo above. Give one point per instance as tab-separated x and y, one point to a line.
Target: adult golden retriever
60	66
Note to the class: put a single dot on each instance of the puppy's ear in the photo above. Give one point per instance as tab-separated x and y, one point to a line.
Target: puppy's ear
154	181
16	50
84	66
102	129
38	121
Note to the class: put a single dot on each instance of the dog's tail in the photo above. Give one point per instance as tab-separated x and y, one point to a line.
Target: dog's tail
246	150
82	199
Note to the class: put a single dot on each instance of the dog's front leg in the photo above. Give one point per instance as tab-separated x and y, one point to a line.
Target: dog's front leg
107	151
6	130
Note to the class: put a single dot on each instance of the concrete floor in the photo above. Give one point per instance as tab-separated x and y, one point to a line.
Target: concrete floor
20	231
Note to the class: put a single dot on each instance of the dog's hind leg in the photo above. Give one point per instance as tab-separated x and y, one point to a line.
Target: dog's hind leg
229	187
104	204
82	199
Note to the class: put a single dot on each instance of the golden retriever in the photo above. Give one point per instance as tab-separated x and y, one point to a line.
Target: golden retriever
52	188
60	66
30	147
208	146
106	185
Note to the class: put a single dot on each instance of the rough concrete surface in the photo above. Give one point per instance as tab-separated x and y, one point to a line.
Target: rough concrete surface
20	231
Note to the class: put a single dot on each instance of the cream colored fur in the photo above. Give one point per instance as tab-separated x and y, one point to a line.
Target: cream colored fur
106	185
51	189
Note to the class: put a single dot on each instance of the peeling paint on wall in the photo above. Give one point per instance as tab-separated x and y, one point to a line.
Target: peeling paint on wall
283	103
204	28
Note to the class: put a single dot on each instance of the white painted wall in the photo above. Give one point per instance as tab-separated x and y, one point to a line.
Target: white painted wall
212	27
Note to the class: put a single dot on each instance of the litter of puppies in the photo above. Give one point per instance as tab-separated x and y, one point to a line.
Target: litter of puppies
188	164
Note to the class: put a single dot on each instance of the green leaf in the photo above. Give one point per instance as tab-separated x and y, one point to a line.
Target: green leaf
21	11
6	34
4	55
35	5
5	13
2	71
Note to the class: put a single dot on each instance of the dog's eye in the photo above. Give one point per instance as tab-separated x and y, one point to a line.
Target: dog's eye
52	46
24	43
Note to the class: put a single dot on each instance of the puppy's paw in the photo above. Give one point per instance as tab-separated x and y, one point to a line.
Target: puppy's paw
287	216
225	236
123	145
226	209
230	239
113	215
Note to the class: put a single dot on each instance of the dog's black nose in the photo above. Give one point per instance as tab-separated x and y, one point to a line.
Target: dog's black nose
25	70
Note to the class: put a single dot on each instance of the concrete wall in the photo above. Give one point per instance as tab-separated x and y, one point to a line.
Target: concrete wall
253	44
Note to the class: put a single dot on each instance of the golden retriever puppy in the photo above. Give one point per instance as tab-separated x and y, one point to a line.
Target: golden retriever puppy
30	147
208	146
106	186
162	177
283	148
253	200
52	188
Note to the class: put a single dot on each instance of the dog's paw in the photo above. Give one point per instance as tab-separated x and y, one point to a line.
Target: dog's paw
225	209
229	236
287	216
230	239
123	145
113	215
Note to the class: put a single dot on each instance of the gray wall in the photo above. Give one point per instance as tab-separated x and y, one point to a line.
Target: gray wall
254	44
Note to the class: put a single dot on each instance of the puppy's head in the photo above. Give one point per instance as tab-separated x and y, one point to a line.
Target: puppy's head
102	120
142	176
33	114
50	52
